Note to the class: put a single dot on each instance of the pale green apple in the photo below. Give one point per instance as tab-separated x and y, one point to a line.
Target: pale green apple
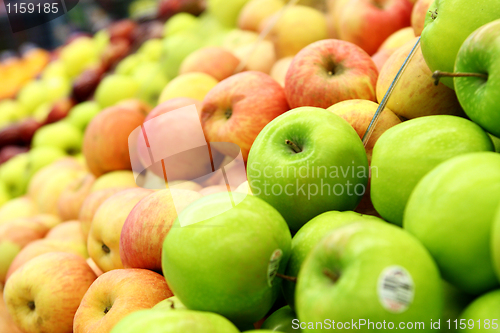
226	12
368	271
479	96
101	40
454	302
78	55
11	111
187	321
54	69
176	48
194	85
280	320
40	157
130	63
222	255
151	49
42	111
309	236
171	303
57	87
406	152
115	88
4	194
81	114
178	23
308	161
482	315
61	135
32	95
495	243
12	174
151	81
447	24
451	212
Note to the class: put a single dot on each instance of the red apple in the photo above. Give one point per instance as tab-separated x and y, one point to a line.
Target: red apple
115	294
239	107
105	144
173	104
328	72
6	322
367	23
148	224
213	60
280	68
44	294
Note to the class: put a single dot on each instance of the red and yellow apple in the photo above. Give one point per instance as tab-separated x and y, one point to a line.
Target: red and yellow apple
213	60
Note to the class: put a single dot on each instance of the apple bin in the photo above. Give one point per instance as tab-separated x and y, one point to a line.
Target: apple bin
251	166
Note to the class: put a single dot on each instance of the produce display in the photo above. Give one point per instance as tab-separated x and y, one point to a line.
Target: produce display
256	166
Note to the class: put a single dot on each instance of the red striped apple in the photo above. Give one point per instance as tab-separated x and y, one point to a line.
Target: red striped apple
44	294
115	294
328	72
239	107
214	61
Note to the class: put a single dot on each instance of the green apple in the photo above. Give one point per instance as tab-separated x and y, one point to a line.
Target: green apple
451	212
482	315
61	135
40	157
495	243
115	88
176	48
151	81
478	96
33	95
368	271
308	161
406	152
42	111
223	253
447	24
180	22
281	320
171	303
226	12
4	194
187	321
308	236
496	143
151	49
12	174
78	55
195	85
81	114
130	63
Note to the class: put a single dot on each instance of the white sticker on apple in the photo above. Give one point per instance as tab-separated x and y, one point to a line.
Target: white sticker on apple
395	289
272	267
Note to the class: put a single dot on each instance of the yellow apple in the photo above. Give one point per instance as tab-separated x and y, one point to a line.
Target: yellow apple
280	67
16	208
415	94
103	242
67	231
192	85
391	44
6	322
298	27
257	56
255	11
71	199
118	178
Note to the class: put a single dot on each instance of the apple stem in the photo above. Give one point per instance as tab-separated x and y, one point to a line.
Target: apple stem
31	305
105	248
437	75
294	147
286	277
331	275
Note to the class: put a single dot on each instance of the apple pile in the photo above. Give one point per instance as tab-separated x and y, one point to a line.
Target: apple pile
214	180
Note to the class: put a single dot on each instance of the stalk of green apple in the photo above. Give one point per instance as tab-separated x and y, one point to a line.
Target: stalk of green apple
437	75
